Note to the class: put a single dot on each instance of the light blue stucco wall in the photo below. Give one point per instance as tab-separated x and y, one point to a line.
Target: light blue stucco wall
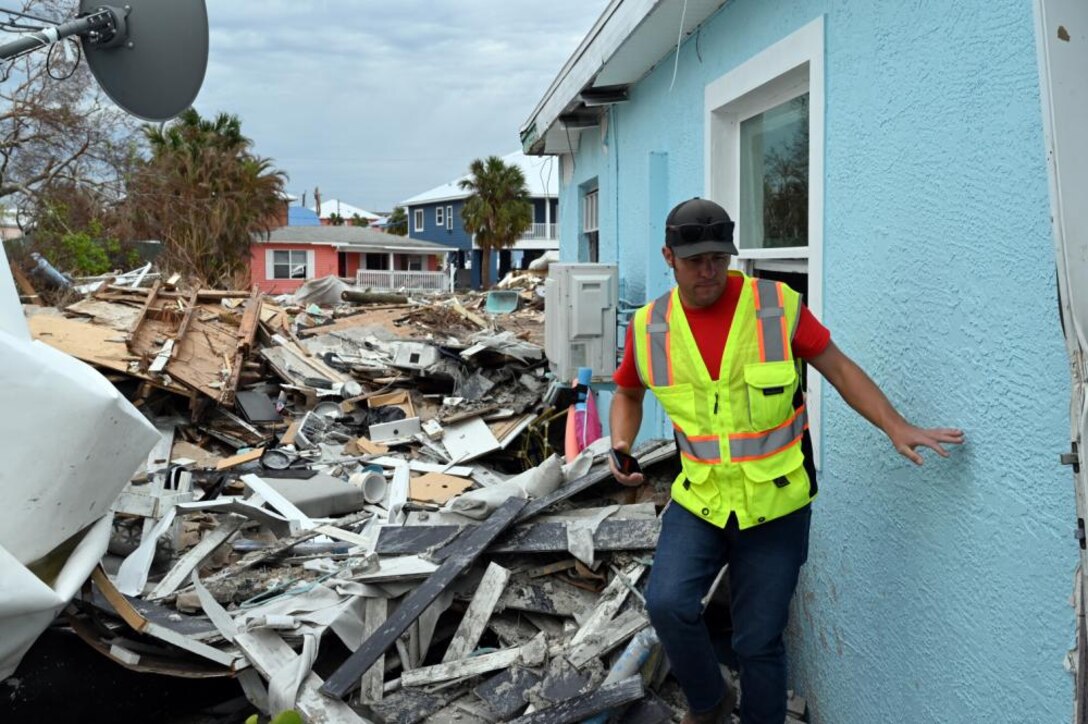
937	594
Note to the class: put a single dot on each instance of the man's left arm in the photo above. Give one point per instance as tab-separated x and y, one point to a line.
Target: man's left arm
862	394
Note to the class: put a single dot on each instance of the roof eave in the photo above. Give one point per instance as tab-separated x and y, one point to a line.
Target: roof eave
623	23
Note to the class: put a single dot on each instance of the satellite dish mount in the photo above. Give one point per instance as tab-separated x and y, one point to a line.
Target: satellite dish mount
105	27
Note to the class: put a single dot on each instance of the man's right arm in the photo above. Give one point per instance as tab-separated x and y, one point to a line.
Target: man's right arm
624	420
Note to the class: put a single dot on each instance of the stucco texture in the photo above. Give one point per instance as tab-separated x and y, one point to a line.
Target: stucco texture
933	594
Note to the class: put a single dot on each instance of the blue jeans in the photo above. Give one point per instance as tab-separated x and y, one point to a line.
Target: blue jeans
763	565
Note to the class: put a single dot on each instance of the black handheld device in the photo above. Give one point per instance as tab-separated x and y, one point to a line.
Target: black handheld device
626	464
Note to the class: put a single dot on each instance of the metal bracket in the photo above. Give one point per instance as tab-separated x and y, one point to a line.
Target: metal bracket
1079	534
1072	458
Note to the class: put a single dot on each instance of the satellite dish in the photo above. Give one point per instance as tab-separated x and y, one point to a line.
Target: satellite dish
154	63
149	56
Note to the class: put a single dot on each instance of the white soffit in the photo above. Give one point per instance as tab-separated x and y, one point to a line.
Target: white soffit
625	43
654	39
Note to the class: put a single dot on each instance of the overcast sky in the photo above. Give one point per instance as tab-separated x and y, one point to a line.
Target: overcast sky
376	101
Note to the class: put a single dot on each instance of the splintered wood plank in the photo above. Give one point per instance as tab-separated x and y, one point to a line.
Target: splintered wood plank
618	630
374	615
151	295
25	287
584	706
610	601
531	654
247	330
479	612
346	678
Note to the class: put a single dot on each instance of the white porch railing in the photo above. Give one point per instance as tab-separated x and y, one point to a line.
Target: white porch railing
412	280
540	232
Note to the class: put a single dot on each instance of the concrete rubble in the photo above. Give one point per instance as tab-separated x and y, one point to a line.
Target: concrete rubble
359	512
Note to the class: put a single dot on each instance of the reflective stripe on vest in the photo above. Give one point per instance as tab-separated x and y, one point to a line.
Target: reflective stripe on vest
747	446
657	330
774	337
702	449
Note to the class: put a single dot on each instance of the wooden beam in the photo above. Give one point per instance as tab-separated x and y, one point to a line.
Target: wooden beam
247	330
346	678
21	279
152	295
189	312
478	614
372	683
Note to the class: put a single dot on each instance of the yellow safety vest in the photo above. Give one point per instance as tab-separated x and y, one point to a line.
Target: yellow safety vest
740	436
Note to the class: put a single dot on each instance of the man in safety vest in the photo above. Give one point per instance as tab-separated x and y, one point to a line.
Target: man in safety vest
721	352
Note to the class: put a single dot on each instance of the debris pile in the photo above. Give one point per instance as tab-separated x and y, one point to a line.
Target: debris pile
366	513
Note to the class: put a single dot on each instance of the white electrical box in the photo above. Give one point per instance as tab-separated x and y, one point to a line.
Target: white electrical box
580	302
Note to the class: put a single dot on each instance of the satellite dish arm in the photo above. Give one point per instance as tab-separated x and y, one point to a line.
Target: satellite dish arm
104	27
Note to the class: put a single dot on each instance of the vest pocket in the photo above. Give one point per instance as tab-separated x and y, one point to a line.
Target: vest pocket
770	392
678	401
765	470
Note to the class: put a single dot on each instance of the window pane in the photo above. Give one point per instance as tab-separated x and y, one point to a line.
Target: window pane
281	257
281	271
774	177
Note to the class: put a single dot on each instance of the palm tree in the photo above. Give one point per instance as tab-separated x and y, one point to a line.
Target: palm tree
204	194
498	212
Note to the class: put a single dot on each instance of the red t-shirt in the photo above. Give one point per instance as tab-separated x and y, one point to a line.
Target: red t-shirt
710	327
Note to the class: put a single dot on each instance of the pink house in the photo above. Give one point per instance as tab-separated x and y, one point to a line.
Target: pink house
284	259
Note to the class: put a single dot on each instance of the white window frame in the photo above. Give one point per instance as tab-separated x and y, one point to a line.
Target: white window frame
439	216
591	207
785	70
270	264
418	225
449	218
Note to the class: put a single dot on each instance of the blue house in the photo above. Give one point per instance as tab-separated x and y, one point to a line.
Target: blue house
435	215
889	160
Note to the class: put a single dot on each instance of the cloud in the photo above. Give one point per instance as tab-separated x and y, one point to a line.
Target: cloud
378	101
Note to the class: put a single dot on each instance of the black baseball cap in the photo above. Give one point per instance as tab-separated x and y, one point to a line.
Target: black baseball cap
698	226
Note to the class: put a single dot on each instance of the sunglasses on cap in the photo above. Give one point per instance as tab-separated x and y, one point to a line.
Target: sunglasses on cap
692	232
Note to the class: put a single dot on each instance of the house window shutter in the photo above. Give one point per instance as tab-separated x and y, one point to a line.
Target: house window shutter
310	263
269	264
